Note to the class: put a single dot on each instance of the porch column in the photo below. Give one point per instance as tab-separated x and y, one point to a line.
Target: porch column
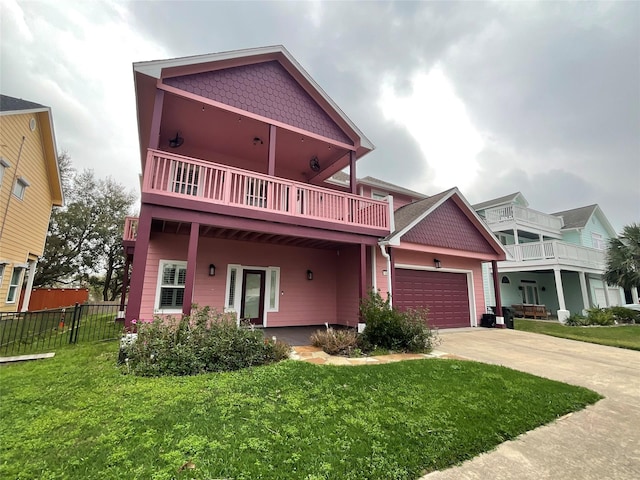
515	236
154	134
496	288
606	292
634	295
138	267
362	279
583	288
353	181
563	313
27	292
125	284
271	170
192	257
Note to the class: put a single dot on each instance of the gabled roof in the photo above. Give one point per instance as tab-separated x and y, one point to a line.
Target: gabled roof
17	106
408	216
12	104
501	201
167	68
342	178
577	218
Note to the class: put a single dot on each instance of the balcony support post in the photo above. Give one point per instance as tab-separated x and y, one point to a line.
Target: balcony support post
138	267
563	313
583	288
192	257
353	180
271	170
496	288
362	282
606	292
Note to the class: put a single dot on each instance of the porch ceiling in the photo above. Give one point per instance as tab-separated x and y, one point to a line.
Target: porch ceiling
219	135
210	231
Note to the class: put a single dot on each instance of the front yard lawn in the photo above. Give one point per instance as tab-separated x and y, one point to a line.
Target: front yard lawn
623	336
77	416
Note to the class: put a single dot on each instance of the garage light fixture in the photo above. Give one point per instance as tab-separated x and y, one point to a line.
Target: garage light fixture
437	263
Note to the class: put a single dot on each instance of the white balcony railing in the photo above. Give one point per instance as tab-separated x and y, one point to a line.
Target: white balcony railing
185	177
516	213
557	252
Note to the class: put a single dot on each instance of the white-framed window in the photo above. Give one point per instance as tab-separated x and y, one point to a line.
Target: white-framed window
379	195
14	284
172	275
20	187
3	166
2	265
273	289
597	241
530	293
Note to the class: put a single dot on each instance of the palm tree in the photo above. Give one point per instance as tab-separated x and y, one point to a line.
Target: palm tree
623	258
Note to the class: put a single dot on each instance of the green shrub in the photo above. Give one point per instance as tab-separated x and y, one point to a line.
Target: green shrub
206	341
576	320
389	328
600	316
336	341
625	315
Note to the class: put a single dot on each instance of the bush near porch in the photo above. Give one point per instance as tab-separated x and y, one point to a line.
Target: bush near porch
77	417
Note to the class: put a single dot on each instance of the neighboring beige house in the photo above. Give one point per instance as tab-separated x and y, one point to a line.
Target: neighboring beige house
30	186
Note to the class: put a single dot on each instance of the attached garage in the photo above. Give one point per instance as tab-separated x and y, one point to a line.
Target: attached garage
445	294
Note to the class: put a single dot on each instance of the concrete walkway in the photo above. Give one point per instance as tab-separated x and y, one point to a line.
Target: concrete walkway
600	442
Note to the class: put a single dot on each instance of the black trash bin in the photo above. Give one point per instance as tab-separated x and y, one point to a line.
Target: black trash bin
507	313
488	320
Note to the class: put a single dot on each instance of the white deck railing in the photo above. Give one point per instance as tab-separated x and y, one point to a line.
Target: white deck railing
557	252
516	213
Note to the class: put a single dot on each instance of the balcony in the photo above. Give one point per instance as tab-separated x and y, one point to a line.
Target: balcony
177	177
130	229
554	253
510	216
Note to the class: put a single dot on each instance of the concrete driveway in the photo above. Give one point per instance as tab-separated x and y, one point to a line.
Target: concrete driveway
600	442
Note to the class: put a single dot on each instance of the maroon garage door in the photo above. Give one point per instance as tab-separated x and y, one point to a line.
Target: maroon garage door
444	294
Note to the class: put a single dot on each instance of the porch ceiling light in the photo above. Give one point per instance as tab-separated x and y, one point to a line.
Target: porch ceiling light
257	141
176	141
314	164
437	263
309	275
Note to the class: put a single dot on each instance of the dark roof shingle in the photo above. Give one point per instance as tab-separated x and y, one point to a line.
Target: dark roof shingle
10	104
576	217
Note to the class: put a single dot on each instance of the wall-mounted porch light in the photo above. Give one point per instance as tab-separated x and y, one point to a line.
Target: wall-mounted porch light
309	275
212	270
176	141
437	263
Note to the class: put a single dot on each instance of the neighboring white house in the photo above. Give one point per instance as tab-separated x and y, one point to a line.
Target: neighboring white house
556	260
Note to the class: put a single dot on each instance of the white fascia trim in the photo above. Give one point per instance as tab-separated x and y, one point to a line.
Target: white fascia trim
154	69
24	112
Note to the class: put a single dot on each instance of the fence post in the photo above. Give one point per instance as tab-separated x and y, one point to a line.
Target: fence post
75	322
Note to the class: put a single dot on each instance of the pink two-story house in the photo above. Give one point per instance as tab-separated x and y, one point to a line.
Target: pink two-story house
246	205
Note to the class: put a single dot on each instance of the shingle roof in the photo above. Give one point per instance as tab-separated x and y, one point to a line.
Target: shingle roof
496	201
342	177
576	217
408	213
10	104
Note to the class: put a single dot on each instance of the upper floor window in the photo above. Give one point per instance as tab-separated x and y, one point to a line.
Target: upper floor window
598	242
3	166
20	187
378	195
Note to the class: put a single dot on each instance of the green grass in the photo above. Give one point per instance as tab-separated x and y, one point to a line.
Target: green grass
622	336
77	416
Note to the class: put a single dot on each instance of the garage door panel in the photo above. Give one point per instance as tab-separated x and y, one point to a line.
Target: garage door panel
445	294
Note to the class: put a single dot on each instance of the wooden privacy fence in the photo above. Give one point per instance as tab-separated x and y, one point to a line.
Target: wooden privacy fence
46	330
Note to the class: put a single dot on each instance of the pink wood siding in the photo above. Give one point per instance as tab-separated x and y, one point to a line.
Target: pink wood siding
347	283
302	302
449	227
265	89
381	279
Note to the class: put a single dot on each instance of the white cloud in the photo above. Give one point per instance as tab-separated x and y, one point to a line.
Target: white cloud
437	119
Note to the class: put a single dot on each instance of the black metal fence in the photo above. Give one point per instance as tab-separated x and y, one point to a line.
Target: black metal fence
34	332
